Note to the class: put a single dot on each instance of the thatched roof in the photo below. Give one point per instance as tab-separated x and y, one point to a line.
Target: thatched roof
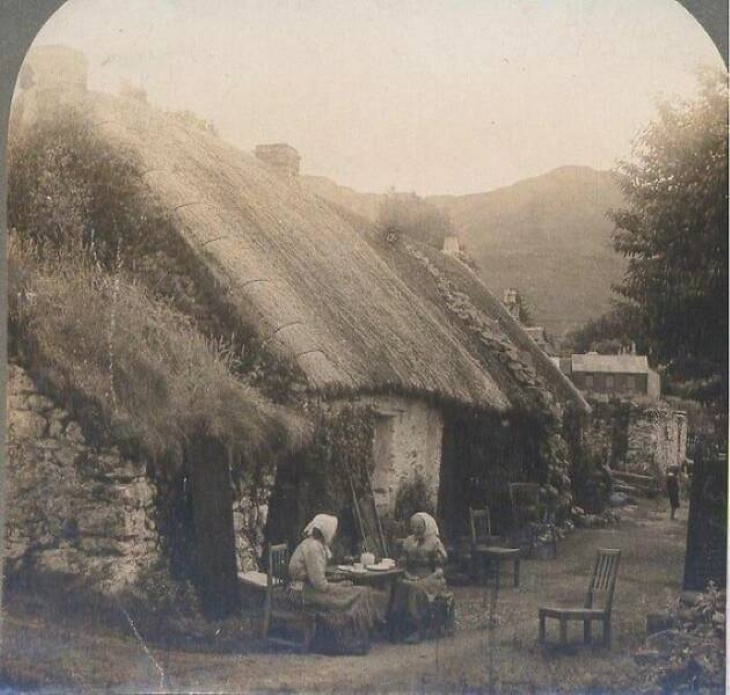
520	367
135	371
311	279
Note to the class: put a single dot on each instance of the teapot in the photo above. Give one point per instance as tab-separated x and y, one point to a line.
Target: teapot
367	559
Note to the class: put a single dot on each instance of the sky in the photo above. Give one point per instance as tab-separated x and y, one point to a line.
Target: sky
431	96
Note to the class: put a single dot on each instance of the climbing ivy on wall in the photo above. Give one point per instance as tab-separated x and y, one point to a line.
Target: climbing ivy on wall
322	477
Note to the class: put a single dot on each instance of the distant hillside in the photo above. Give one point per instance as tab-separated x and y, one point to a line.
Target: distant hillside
547	236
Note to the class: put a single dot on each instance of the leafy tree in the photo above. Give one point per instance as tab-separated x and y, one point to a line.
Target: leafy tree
675	234
610	333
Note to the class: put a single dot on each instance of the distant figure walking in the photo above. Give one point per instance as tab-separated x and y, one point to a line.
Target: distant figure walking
673	490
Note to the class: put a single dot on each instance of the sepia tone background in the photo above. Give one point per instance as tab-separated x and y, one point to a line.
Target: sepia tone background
19	22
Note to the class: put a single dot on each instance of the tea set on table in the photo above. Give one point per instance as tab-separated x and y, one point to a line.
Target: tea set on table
367	564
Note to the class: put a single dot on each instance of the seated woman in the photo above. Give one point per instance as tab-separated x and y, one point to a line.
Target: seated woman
346	613
422	557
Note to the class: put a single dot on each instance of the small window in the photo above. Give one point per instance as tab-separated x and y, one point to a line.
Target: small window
610	382
589	381
631	383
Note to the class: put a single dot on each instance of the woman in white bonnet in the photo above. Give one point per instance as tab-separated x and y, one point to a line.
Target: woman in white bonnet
346	612
422	558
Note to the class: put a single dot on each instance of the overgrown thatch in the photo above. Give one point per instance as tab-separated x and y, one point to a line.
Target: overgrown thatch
321	291
317	294
135	370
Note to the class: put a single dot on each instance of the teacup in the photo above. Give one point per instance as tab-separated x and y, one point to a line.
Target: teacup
367	559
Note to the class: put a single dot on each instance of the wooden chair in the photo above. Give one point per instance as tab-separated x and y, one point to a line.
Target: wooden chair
600	589
532	515
279	610
489	549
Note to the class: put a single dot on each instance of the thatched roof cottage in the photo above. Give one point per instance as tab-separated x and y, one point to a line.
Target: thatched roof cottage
421	386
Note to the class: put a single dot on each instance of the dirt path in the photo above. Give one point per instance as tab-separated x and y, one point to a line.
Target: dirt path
507	657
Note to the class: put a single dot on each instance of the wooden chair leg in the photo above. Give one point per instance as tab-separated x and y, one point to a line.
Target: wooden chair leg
517	571
541	636
607	633
587	636
563	631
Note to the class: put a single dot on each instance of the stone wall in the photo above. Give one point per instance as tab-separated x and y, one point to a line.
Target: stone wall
638	437
408	444
73	508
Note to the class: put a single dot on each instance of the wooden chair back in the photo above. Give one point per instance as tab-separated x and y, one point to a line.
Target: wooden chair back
277	577
525	500
480	523
603	581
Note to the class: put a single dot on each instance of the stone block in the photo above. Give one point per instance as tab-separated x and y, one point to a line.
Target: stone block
56	560
38	403
74	433
66	456
26	425
19	381
101	546
48	444
55	429
100	520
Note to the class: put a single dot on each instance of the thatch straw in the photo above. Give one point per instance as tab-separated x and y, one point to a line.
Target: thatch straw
317	285
315	290
153	380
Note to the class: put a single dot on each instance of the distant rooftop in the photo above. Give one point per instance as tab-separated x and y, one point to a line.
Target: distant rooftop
610	364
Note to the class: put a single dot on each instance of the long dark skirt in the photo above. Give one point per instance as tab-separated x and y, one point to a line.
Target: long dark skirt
346	616
419	604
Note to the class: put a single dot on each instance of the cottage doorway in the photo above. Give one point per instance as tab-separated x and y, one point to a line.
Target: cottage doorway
213	541
481	456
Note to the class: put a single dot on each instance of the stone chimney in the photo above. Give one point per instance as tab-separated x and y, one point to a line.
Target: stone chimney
280	157
512	302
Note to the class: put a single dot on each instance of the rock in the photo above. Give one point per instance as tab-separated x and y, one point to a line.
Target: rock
74	433
658	622
19	381
99	546
66	456
647	656
618	499
39	403
668	641
690	598
55	429
49	444
25	425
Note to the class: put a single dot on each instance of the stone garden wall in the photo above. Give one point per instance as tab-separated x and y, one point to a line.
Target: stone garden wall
637	437
73	509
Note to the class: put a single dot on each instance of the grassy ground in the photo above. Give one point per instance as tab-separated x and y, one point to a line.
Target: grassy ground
506	658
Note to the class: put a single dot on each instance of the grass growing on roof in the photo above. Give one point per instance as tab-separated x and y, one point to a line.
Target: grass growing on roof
151	379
